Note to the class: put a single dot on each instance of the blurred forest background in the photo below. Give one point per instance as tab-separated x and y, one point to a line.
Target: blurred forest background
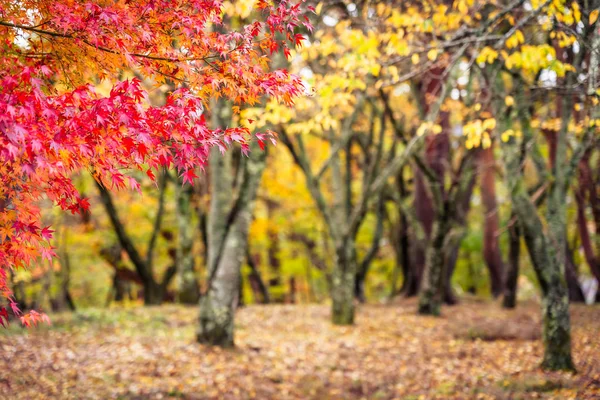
443	153
363	102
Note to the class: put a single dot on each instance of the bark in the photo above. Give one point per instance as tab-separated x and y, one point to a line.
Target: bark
491	246
571	275
512	272
227	238
460	200
363	267
188	291
342	290
555	304
63	299
259	288
430	297
273	255
546	250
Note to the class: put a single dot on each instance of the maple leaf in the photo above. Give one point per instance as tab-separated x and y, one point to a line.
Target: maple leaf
46	233
188	176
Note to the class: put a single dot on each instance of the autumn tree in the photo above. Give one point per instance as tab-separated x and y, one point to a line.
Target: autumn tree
233	193
524	64
54	122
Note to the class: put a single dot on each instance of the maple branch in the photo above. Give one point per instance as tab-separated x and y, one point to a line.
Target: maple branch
109	50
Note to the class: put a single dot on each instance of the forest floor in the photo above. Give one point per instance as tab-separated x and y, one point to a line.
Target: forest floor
474	351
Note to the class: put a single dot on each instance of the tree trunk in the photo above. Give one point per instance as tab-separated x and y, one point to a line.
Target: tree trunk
153	294
228	240
575	292
217	306
275	283
359	285
256	281
546	250
342	290
154	291
187	286
555	305
491	247
450	265
430	298
512	272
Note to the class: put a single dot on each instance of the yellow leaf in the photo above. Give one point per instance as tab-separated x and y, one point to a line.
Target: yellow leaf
375	69
594	16
437	129
506	135
319	8
516	39
489	123
576	12
509	101
486	142
432	54
415	58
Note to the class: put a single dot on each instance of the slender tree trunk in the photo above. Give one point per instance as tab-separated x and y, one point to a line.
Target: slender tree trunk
555	304
400	238
274	262
451	258
154	291
491	247
228	239
259	288
153	294
342	290
217	307
547	256
359	285
575	292
430	298
188	291
512	272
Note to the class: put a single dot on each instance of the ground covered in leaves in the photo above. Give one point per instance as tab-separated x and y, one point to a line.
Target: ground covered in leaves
474	351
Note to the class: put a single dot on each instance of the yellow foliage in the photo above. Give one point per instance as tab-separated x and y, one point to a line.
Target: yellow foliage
487	55
427	127
432	54
415	58
594	16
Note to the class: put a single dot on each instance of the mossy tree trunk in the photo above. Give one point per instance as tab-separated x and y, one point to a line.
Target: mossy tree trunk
555	301
546	245
232	204
343	284
432	287
345	214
